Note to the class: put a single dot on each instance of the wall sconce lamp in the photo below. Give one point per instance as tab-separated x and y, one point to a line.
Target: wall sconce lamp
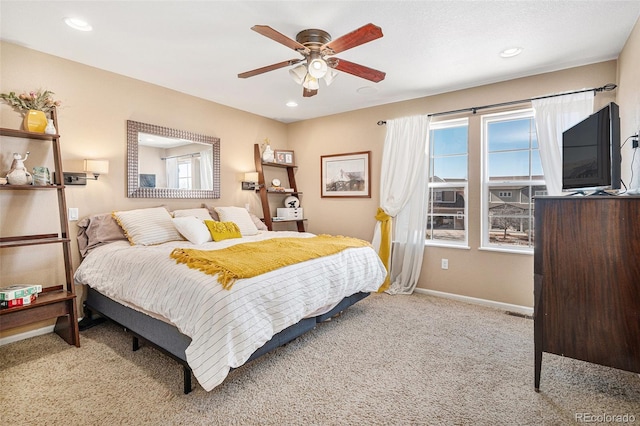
93	167
250	182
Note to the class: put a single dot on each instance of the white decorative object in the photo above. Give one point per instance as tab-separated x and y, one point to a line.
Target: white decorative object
268	156
290	214
51	128
291	202
18	174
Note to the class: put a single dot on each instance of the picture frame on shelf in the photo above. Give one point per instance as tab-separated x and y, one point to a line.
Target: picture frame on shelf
282	156
346	175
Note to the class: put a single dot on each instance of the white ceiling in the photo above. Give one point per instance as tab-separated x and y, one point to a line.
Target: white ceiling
429	47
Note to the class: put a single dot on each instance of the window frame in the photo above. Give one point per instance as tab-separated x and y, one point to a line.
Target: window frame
451	186
503	185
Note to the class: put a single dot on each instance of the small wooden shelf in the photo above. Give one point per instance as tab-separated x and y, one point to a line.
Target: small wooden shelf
265	192
30	187
284	166
27	135
57	301
31	240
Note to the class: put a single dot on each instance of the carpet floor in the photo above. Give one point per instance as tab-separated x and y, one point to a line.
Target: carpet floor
388	360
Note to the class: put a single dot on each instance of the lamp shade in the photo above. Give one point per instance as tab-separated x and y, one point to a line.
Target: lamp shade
97	167
251	177
310	83
298	73
317	68
330	76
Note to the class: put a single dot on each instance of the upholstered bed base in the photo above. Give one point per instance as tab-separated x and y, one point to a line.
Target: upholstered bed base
169	340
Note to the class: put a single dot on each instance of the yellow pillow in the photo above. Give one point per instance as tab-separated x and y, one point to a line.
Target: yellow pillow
222	230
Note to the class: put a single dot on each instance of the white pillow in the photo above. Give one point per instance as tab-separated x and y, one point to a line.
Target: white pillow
146	227
193	229
200	213
259	224
239	216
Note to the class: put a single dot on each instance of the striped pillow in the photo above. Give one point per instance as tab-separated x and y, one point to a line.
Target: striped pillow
240	216
147	227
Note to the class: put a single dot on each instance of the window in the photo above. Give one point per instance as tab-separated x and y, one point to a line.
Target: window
512	176
448	175
184	173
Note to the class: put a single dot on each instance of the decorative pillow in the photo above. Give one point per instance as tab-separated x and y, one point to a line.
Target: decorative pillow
212	211
258	223
222	230
240	216
201	213
193	229
147	227
97	230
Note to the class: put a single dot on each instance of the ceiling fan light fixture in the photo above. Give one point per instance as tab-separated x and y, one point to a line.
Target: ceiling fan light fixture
318	68
298	73
310	83
330	76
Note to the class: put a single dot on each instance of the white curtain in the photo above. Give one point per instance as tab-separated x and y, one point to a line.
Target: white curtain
553	116
403	196
171	166
206	169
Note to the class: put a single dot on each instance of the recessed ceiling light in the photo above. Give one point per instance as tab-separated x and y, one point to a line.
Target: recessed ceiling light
292	104
78	24
511	52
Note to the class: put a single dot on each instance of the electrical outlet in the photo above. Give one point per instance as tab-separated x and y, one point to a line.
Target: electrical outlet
444	264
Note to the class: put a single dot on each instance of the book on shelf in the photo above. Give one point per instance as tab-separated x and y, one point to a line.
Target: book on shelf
19	290
20	301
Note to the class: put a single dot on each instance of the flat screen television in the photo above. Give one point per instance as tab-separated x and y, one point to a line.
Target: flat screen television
591	152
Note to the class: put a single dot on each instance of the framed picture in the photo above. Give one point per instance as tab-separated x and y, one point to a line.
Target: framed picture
346	175
147	180
283	157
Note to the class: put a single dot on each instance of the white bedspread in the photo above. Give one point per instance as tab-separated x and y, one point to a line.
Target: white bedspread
227	326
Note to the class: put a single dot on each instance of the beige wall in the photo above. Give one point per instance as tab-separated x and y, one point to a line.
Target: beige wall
629	101
92	121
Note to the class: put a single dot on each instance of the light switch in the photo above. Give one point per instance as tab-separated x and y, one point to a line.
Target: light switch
72	214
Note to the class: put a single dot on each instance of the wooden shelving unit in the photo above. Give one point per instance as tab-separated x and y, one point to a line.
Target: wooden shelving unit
265	193
58	301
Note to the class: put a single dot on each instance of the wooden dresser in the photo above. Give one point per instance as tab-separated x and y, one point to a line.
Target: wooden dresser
587	280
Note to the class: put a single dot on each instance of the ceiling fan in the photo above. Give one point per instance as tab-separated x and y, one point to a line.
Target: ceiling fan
317	50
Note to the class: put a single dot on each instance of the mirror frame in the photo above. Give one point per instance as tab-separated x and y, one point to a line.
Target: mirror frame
134	190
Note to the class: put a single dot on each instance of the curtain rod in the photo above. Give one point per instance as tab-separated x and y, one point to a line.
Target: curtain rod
194	154
606	88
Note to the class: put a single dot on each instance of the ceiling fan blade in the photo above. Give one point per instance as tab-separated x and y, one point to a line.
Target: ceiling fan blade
280	38
359	70
307	93
269	68
355	38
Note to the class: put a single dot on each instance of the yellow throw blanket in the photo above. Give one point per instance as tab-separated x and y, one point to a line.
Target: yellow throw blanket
250	259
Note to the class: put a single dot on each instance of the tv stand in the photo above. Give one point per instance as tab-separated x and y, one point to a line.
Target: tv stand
587	280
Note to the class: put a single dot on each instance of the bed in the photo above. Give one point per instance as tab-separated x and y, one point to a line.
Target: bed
188	314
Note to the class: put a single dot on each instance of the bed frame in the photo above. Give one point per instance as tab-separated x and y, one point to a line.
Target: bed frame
168	339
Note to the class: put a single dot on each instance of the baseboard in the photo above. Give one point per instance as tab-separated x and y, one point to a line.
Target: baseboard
28	334
523	310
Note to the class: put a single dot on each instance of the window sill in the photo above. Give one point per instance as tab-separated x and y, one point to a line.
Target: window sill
445	245
507	250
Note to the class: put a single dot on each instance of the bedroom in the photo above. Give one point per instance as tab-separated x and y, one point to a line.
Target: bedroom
97	104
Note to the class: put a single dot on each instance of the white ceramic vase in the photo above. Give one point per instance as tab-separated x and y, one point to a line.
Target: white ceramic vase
51	128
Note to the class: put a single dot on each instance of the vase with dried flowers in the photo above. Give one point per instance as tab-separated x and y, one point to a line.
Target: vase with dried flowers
34	106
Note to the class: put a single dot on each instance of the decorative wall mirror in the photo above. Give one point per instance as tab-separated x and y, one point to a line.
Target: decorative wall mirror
170	163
